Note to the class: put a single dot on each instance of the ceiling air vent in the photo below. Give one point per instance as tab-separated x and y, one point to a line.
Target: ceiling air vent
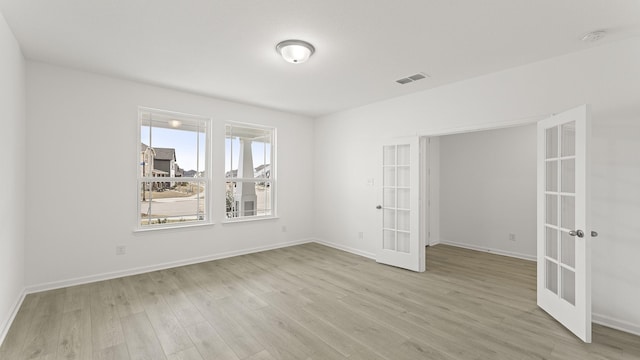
412	78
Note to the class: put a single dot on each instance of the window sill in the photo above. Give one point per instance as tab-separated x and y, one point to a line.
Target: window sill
172	227
249	219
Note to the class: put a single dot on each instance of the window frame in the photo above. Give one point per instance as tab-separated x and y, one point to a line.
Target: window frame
206	179
272	179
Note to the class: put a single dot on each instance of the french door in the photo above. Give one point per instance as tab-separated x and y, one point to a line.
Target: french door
400	243
564	236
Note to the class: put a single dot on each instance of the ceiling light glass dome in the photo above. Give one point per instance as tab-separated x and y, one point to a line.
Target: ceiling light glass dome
295	51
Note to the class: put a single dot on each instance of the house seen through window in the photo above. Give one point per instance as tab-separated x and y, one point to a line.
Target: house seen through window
249	171
173	175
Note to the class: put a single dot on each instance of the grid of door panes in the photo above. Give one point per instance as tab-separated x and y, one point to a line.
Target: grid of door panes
396	198
559	246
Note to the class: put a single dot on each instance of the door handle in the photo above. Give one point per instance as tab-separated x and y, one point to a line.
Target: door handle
578	233
379	207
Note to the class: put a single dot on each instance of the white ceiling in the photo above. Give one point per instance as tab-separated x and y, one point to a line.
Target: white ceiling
226	48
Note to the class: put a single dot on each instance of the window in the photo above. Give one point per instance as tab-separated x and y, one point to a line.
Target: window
249	171
173	177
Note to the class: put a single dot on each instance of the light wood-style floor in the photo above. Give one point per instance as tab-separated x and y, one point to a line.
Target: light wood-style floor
308	302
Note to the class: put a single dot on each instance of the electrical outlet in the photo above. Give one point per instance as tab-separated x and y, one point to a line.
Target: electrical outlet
121	250
360	235
512	237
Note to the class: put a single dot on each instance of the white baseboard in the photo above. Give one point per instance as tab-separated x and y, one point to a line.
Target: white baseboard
4	326
617	324
144	269
346	248
490	250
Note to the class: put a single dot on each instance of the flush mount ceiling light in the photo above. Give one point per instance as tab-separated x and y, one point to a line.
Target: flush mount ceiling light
295	51
594	36
175	123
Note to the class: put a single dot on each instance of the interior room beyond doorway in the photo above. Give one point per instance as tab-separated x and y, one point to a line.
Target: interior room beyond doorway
482	191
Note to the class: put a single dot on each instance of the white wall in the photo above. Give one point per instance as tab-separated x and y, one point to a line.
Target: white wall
488	190
82	168
607	77
12	148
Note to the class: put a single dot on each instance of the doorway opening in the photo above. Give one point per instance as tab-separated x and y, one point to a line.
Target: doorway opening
480	190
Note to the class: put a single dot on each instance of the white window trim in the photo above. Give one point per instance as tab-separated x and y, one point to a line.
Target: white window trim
273	179
207	179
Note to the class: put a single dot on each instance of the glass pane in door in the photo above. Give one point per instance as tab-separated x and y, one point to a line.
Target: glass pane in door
404	200
551	142
551	213
388	239
568	139
389	155
569	285
551	276
403	176
389	218
568	170
568	249
403	242
389	198
551	242
552	175
404	153
389	176
403	220
568	212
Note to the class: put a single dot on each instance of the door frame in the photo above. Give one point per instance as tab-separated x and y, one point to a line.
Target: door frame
424	205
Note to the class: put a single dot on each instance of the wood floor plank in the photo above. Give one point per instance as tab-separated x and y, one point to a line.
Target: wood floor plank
152	301
171	334
75	335
292	305
106	330
188	354
117	352
141	339
175	297
209	343
308	302
223	320
77	297
17	334
42	337
282	337
262	355
126	298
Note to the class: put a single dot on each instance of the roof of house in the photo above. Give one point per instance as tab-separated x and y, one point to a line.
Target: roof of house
165	154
